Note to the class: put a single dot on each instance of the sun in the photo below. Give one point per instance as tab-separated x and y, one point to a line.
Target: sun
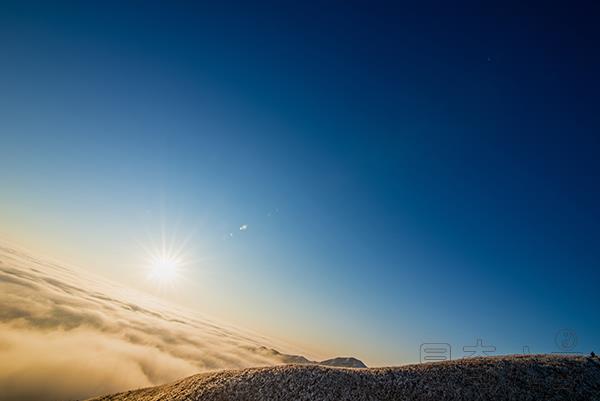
163	269
165	258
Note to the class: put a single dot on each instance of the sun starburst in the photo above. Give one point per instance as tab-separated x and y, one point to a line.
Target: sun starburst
165	259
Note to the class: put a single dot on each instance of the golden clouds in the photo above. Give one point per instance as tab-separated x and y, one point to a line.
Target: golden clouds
66	336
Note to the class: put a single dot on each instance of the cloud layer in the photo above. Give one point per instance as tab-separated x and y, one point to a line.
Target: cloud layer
64	335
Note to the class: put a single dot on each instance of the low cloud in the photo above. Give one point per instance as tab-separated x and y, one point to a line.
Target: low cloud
66	336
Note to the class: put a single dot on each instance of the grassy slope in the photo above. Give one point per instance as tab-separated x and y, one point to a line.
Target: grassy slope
542	377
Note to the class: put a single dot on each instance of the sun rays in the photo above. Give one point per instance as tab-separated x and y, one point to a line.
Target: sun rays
165	259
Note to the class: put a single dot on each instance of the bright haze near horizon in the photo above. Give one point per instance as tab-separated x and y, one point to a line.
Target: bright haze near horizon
351	179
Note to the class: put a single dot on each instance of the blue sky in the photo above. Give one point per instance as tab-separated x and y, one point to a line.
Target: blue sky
406	176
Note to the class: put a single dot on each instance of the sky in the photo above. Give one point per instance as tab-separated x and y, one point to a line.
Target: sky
353	178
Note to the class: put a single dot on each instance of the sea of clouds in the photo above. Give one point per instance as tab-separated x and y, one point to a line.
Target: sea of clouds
64	335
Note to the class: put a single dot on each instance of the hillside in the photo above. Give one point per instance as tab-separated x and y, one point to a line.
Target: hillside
497	378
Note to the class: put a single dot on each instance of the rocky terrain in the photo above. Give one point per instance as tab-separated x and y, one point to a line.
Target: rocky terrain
543	377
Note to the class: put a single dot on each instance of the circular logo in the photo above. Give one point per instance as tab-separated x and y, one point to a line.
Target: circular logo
566	339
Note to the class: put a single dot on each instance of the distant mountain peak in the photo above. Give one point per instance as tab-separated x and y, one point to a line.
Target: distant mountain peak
344	362
341	362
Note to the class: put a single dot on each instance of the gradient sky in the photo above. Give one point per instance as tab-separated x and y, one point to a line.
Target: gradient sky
406	175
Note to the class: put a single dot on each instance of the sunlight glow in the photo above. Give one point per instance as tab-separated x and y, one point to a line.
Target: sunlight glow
163	269
165	259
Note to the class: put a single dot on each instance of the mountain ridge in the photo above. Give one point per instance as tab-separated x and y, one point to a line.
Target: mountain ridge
342	362
540	377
